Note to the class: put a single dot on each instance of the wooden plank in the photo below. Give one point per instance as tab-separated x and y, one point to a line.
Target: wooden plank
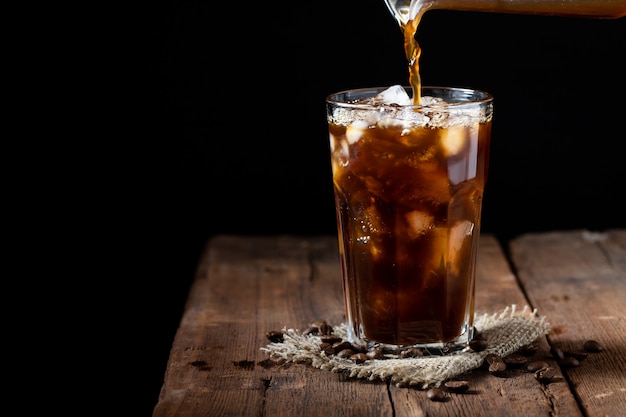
246	286
578	280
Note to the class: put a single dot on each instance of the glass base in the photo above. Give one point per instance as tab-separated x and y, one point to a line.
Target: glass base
458	345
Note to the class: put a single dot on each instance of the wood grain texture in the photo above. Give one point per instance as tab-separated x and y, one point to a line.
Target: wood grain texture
577	279
248	285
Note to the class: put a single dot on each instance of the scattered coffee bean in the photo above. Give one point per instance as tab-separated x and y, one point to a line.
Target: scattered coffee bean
457	386
339	346
375	353
491	358
536	366
358	358
568	362
412	353
320	327
593	346
497	368
317	323
515	359
345	353
478	345
311	330
545	375
557	353
580	356
478	335
360	348
275	336
435	394
495	364
325	329
327	348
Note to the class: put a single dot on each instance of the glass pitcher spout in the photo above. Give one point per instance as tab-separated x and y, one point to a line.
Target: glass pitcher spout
405	10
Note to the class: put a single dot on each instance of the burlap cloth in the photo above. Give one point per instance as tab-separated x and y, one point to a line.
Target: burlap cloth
506	331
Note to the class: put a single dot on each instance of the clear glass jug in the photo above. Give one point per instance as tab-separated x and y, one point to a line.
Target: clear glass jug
405	10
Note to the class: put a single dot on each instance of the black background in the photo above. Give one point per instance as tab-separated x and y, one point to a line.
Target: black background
232	131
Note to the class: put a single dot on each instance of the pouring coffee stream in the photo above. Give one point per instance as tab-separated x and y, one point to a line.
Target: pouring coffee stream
408	14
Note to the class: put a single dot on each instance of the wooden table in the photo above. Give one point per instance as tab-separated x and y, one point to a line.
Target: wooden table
247	286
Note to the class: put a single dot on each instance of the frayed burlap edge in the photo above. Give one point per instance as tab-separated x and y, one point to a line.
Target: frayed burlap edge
506	331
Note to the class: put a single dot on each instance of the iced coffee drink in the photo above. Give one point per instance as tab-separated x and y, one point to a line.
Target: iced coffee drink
408	183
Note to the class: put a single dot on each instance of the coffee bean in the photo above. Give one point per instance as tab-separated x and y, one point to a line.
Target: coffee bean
557	353
478	345
275	336
435	394
311	330
545	375
345	353
327	348
375	353
536	366
339	346
515	359
358	348
325	329
580	356
318	323
593	346
358	358
491	358
497	368
478	336
457	386
412	353
569	362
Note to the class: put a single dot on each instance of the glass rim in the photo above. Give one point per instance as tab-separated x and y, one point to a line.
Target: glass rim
482	97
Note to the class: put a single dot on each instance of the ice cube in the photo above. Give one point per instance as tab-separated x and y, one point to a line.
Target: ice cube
453	139
340	153
395	94
419	223
355	131
369	227
458	235
431	101
389	122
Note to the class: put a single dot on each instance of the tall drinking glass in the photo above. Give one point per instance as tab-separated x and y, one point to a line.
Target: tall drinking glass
408	183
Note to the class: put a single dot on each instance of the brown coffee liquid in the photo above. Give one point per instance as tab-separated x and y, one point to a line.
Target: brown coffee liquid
413	51
408	207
